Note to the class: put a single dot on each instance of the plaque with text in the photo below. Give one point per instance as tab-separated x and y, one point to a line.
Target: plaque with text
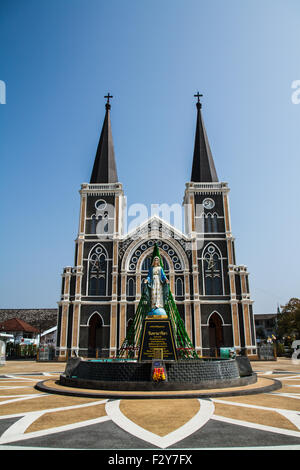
157	336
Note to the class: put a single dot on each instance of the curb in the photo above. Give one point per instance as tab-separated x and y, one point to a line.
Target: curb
43	387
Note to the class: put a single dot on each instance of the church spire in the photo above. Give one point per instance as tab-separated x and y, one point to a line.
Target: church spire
203	170
104	169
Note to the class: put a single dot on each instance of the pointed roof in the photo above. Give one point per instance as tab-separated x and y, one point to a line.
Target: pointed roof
155	219
105	169
16	324
203	170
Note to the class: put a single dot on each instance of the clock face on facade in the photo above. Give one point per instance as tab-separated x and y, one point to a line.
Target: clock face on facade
208	203
100	204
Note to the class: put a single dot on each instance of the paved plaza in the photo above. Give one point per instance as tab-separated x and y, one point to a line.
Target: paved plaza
32	419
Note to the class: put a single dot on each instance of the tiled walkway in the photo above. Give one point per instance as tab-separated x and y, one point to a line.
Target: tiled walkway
33	419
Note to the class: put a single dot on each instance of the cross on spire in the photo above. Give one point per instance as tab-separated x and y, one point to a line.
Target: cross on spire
108	97
198	96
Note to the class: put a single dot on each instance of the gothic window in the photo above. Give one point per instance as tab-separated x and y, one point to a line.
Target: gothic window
97	224
131	287
93	286
164	248
211	223
129	324
212	266
97	272
146	264
165	265
179	287
208	223
93	224
214	223
102	285
105	217
100	224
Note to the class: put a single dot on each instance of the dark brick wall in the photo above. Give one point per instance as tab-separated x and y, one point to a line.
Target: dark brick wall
181	371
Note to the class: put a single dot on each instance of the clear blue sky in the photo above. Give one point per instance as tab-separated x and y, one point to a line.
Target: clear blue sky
59	57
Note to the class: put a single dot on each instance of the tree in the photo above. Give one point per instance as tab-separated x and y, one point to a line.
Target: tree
288	321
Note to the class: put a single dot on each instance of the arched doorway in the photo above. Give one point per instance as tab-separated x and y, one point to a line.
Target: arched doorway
215	334
95	335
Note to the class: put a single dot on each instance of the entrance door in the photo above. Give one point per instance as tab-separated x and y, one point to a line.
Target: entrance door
95	335
215	334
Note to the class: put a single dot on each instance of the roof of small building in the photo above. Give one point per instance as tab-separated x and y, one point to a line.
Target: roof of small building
51	330
265	316
15	324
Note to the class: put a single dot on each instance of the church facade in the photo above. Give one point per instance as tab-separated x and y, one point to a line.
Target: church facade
100	293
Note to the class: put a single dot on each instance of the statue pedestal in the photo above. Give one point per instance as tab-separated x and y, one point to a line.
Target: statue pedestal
157	340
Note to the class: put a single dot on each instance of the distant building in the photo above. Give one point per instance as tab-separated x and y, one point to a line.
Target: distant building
48	337
40	318
265	325
22	332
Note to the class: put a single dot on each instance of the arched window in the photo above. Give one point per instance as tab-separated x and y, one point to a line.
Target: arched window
211	223
100	224
212	268
93	224
97	272
165	265
208	223
214	223
96	224
179	287
105	217
129	324
131	287
146	264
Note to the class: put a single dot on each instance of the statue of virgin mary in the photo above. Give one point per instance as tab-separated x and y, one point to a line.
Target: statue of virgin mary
157	287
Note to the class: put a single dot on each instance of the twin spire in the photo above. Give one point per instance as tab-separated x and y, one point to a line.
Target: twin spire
105	169
203	169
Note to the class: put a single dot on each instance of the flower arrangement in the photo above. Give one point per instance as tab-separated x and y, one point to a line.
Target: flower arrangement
158	374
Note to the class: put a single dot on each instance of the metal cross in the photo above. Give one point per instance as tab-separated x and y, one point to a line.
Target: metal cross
198	96
108	96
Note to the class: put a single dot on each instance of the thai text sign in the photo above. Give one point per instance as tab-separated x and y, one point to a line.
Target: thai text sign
157	334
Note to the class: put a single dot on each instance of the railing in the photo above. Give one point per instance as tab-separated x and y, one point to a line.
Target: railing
101	187
207	187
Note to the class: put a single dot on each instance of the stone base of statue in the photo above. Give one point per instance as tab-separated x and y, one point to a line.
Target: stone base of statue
157	339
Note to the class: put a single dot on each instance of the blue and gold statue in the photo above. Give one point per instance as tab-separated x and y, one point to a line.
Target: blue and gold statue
157	289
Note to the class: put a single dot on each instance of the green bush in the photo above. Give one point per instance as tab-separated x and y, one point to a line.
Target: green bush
280	349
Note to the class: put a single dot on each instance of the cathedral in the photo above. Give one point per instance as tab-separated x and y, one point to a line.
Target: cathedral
101	292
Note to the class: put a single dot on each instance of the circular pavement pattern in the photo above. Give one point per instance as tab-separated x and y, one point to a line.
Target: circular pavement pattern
258	416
